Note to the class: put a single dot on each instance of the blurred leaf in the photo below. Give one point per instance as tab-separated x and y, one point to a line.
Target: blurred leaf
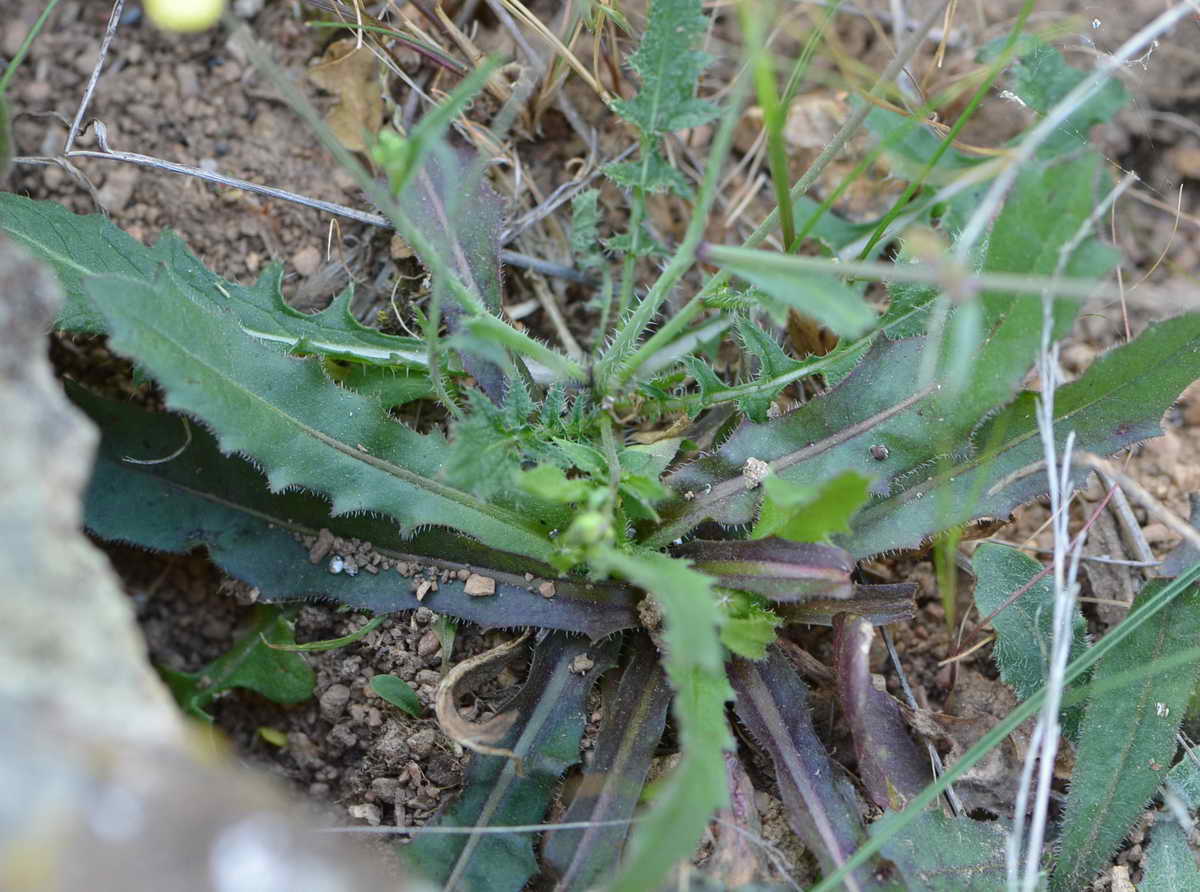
808	512
1127	738
585	230
6	152
611	783
222	503
891	767
824	297
1041	77
548	720
397	692
278	675
1169	864
1024	629
772	703
936	853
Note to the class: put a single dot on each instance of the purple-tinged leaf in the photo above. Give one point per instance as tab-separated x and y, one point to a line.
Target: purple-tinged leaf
775	568
772	702
500	791
875	422
880	604
891	767
611	784
221	502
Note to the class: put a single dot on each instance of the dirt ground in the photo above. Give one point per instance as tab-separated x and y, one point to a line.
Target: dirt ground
198	101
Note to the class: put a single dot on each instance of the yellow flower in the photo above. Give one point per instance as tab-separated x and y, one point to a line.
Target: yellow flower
184	15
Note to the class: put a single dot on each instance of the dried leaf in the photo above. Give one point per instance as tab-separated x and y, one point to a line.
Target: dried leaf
350	70
465	677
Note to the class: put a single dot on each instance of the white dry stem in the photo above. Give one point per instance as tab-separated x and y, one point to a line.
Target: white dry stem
1044	745
1055	118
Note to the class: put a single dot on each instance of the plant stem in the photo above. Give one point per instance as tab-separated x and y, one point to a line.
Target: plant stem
998	65
716	281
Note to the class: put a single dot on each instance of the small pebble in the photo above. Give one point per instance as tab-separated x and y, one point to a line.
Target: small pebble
479	586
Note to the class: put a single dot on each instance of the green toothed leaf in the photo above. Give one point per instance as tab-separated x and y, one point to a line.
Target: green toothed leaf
1127	738
668	64
201	498
1024	629
286	414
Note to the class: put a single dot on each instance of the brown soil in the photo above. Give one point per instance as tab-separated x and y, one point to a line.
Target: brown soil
196	100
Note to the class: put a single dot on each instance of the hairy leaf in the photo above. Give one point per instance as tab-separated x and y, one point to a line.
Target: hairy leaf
669	66
611	785
892	769
585	230
772	703
936	853
652	172
994	468
279	675
1170	863
1184	779
545	735
1127	738
222	503
303	428
1024	629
